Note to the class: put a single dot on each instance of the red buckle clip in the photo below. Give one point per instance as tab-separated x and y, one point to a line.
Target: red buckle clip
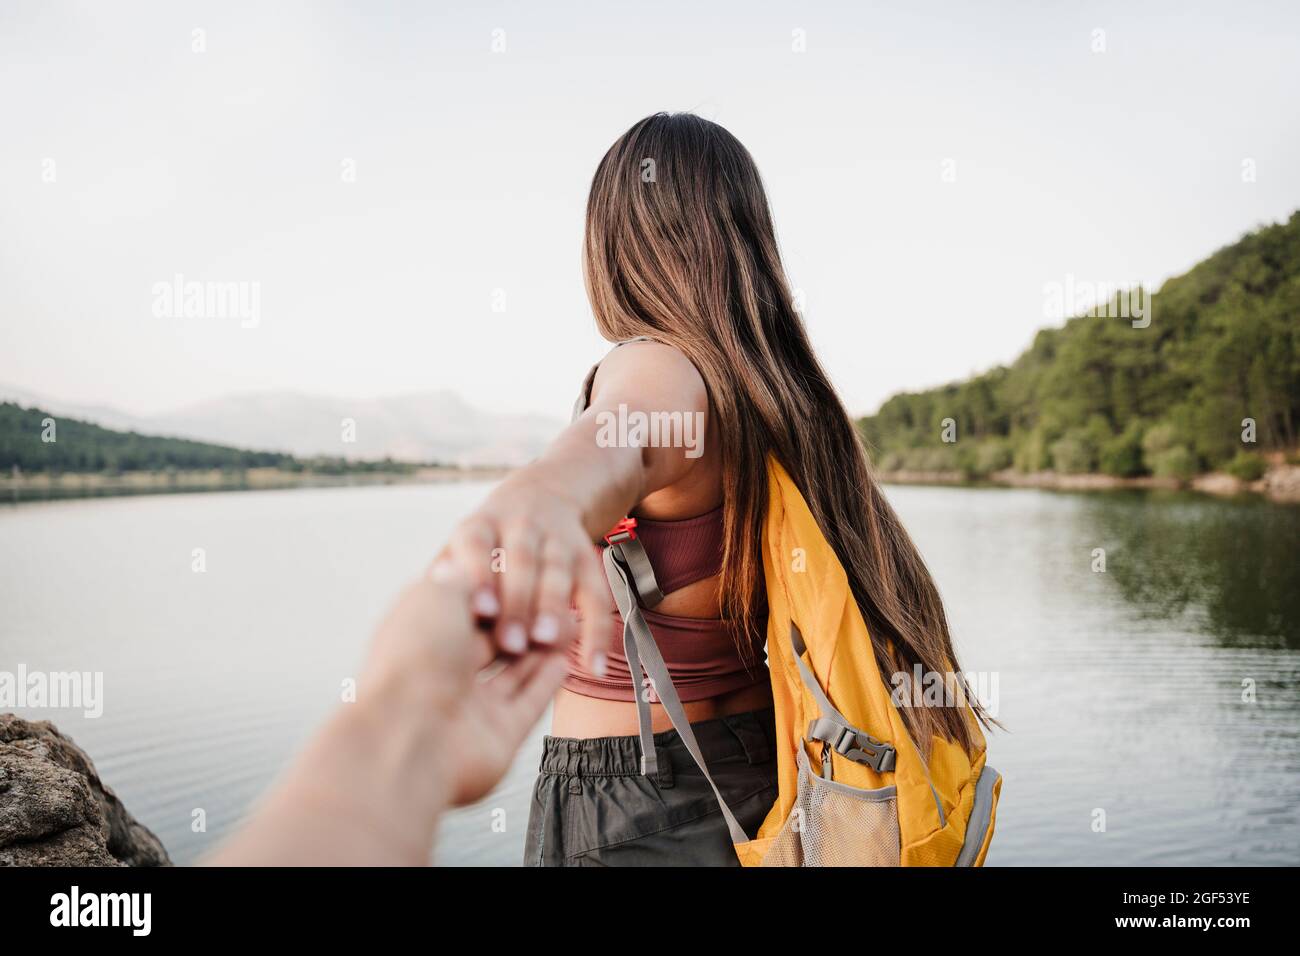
625	526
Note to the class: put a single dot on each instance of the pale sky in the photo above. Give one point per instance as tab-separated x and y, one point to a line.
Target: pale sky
472	167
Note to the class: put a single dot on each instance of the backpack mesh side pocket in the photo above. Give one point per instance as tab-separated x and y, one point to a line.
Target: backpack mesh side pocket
832	824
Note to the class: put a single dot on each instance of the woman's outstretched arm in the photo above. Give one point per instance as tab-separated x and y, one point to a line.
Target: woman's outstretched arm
527	551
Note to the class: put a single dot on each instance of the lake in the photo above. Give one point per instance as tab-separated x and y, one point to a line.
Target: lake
1162	693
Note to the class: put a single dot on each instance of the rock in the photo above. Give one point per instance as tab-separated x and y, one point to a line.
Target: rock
1218	483
912	477
54	809
1079	482
1282	483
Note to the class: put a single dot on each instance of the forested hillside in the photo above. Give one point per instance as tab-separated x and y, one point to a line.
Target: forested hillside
1101	395
82	447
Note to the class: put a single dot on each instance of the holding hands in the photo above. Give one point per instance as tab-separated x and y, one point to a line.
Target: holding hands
529	560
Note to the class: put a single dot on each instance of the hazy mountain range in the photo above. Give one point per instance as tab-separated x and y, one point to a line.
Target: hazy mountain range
435	426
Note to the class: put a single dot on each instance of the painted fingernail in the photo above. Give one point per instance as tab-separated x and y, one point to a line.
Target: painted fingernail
486	604
598	664
546	629
514	639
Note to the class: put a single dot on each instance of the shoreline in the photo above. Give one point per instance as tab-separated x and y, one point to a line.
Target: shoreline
47	487
1279	484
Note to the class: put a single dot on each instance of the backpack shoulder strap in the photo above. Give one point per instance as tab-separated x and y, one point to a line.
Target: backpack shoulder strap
832	728
642	653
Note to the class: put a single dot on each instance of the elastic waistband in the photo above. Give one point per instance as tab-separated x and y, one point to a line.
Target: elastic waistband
750	736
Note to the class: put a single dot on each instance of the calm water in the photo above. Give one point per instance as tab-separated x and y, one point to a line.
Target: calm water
1121	691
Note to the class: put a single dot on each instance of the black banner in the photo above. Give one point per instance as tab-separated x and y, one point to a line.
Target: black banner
1050	905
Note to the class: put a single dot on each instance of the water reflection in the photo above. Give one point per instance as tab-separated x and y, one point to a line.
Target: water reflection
1231	569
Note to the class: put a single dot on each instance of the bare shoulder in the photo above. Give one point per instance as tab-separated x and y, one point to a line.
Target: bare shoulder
649	375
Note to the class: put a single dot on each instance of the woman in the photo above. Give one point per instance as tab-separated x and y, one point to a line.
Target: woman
681	264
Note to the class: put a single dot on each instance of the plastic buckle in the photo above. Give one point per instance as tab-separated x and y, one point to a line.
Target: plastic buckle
625	530
865	749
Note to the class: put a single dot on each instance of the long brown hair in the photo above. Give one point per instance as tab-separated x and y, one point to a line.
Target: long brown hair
680	247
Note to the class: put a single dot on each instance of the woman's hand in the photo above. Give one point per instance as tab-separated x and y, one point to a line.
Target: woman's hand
529	551
529	559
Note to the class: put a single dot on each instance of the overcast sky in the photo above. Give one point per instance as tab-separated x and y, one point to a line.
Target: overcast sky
931	167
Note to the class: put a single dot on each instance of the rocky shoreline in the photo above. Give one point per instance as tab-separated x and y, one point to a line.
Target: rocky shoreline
54	809
42	485
1280	483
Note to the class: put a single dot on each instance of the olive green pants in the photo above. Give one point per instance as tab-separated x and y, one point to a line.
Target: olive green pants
592	807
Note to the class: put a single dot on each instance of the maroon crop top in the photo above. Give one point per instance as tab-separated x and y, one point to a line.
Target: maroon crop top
702	655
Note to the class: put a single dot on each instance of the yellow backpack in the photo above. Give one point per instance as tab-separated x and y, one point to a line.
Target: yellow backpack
854	790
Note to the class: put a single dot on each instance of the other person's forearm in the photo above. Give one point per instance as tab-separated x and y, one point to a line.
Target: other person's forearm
367	791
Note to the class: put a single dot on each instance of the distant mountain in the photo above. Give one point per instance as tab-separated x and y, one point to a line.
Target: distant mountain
424	427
